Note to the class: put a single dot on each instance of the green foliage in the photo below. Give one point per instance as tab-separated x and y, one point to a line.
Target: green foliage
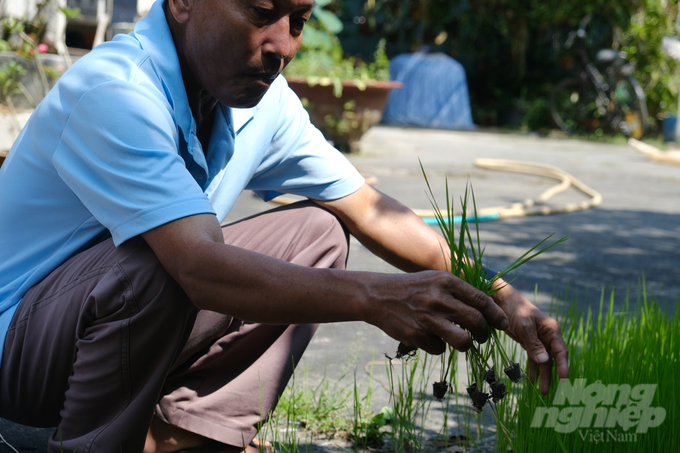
319	410
321	60
24	37
657	72
324	68
11	25
513	50
71	13
635	344
9	76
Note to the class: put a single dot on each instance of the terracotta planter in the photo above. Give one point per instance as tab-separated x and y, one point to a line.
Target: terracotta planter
345	119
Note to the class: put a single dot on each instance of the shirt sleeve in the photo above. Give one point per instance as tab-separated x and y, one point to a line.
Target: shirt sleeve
119	155
299	160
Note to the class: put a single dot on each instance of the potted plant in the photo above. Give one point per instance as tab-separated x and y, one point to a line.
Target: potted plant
344	96
27	69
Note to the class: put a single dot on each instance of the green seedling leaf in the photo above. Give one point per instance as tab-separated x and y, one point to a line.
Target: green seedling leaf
466	253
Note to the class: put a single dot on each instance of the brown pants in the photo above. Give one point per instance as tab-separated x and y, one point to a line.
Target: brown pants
109	336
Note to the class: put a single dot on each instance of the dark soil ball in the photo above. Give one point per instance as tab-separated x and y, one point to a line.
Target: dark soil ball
405	351
490	376
514	372
439	390
498	391
478	398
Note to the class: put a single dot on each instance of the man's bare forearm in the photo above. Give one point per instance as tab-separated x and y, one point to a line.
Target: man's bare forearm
423	309
391	231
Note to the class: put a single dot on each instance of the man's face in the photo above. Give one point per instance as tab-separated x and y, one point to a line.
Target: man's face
236	48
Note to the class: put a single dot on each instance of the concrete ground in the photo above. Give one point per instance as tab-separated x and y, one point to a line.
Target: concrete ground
633	234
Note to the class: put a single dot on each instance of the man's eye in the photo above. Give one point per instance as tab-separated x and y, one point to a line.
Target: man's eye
262	13
298	24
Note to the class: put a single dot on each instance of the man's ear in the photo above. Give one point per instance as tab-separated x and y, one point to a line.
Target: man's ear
180	9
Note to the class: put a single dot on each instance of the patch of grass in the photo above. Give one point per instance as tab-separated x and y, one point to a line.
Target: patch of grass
634	349
410	403
321	410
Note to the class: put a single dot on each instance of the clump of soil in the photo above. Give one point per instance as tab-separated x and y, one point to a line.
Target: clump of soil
439	390
498	391
403	351
478	397
490	376
514	372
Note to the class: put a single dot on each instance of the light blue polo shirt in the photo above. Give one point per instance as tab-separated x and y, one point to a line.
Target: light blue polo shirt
113	150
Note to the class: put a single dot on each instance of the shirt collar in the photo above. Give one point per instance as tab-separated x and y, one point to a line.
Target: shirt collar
154	35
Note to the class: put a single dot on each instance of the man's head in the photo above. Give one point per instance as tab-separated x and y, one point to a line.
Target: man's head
234	49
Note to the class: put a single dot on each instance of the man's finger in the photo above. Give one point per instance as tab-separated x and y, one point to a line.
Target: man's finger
561	355
534	346
455	336
474	321
476	299
545	371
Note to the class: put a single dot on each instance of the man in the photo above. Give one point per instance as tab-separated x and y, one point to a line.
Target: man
132	320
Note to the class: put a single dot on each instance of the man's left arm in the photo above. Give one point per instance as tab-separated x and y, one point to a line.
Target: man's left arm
393	232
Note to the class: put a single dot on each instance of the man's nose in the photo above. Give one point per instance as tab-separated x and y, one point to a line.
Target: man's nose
280	43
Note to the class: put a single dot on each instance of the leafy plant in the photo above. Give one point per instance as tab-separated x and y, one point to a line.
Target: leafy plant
24	37
321	59
319	410
512	50
9	81
484	361
10	85
366	426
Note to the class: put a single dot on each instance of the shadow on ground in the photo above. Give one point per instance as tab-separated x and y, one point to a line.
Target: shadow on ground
606	250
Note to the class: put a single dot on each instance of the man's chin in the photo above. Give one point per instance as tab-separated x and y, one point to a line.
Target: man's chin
245	99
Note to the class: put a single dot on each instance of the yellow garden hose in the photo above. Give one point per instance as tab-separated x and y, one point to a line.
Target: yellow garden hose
654	153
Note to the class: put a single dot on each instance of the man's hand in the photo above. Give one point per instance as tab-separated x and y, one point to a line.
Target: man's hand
428	309
537	333
396	234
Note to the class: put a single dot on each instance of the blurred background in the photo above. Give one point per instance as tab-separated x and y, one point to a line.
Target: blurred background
512	52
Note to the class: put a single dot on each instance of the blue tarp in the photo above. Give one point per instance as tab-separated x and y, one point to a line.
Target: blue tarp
435	92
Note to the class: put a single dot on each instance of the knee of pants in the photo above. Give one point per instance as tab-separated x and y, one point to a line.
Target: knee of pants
325	226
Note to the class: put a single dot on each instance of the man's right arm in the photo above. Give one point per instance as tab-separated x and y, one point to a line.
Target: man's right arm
422	309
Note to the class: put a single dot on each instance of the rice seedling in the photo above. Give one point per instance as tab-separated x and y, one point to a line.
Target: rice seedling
621	396
465	254
409	402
